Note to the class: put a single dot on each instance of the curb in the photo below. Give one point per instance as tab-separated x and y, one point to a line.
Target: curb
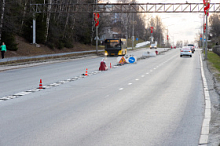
204	136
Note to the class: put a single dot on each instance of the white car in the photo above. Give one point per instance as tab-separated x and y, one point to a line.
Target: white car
153	46
185	51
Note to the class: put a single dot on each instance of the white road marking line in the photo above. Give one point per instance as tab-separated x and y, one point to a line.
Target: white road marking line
142	76
204	136
129	83
147	73
121	88
136	79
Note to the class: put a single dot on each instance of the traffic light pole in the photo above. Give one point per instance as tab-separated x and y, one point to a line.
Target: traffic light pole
203	34
97	31
206	37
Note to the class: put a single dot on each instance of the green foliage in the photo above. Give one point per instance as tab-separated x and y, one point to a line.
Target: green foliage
9	40
28	30
214	59
41	28
67	43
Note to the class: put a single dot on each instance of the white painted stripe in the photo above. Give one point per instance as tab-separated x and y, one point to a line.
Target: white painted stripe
207	115
136	79
121	88
129	83
203	139
205	130
21	93
142	76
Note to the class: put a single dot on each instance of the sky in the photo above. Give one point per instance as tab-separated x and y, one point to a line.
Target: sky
181	26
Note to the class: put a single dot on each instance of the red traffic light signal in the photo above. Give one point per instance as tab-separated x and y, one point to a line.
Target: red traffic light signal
96	19
204	27
167	37
151	29
207	6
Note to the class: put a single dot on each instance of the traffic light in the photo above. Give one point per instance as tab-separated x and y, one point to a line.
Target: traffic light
167	37
96	19
204	27
207	6
151	29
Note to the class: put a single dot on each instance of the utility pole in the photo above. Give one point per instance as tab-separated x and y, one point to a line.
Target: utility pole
34	29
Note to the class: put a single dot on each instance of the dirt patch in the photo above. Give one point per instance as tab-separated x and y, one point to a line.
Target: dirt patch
27	49
213	80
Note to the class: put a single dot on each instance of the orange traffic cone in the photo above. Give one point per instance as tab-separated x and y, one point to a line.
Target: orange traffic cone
40	85
86	74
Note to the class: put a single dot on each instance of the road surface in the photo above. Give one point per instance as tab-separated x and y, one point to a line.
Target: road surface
158	101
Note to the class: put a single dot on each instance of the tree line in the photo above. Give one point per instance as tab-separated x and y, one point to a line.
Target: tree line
59	30
213	31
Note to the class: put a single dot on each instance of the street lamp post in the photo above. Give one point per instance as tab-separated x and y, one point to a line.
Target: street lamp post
133	29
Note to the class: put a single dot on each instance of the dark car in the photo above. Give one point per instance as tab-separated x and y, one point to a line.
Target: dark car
192	47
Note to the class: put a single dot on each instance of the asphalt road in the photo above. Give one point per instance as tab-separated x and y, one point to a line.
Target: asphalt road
158	101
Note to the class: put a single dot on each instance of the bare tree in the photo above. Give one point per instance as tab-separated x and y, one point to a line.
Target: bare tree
2	18
48	19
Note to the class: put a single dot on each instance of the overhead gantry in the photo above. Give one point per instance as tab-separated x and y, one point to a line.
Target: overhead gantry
124	8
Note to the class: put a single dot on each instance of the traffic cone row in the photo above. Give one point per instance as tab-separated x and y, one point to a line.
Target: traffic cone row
86	74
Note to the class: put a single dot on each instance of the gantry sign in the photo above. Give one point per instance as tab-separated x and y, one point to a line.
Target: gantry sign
125	8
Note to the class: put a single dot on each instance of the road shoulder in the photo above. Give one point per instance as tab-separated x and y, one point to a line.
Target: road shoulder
214	92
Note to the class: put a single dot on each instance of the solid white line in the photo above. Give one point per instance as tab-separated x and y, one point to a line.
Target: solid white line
207	114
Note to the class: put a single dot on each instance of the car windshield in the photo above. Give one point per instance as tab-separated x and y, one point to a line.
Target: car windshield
190	45
185	48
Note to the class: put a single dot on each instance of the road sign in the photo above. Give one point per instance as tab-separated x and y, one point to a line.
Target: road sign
136	39
96	37
131	60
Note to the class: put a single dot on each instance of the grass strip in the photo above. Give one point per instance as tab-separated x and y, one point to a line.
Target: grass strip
214	59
